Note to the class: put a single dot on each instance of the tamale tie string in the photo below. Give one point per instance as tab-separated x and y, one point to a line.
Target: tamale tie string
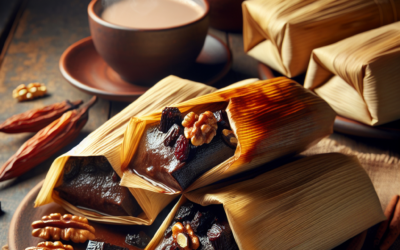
388	12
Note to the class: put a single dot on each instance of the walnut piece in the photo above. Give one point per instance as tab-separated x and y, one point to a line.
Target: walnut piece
200	129
33	90
66	227
48	245
185	237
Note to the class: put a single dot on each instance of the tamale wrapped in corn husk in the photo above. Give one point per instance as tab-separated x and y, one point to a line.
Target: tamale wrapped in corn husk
316	202
270	119
297	120
359	76
283	33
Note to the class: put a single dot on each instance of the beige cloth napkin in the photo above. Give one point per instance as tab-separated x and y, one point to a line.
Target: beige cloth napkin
360	76
283	33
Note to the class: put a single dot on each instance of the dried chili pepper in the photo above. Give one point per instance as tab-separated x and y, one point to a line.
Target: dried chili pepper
46	142
36	119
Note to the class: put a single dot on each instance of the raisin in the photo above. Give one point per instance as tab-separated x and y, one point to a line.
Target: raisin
169	117
222	119
202	221
173	133
115	177
182	148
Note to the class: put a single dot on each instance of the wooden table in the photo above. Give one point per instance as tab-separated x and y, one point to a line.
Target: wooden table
45	28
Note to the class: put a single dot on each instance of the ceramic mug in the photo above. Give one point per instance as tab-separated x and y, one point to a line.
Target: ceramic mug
144	56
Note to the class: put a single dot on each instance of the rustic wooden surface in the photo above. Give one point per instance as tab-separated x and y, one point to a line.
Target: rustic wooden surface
47	27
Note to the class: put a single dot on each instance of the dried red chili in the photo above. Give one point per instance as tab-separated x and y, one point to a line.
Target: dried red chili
36	119
46	142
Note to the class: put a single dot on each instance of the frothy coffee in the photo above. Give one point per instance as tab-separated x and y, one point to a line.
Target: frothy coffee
151	14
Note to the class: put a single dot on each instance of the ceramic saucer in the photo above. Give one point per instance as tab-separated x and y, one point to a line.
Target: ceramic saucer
84	68
389	131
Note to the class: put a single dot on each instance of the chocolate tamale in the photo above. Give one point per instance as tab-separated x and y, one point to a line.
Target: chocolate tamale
269	119
359	76
282	33
91	183
317	202
170	160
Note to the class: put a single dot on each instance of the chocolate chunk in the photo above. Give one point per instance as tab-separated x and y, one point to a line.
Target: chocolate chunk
140	240
169	117
97	188
172	135
221	237
222	119
202	221
96	245
206	157
185	213
166	169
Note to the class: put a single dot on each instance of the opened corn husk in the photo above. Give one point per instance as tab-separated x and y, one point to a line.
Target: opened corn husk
107	139
283	33
359	76
270	119
316	202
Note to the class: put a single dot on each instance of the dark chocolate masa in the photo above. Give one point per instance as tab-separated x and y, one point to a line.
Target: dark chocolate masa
209	225
157	160
92	183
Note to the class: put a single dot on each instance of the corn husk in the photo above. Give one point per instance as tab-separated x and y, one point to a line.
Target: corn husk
317	202
359	76
283	33
106	141
270	119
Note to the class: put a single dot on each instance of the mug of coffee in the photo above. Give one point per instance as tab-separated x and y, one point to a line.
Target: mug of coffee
146	40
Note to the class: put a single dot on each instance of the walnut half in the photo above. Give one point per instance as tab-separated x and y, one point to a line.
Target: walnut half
48	245
200	129
66	227
185	237
33	90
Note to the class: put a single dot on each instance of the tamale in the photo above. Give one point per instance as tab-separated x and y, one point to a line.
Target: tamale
270	119
359	76
316	202
283	33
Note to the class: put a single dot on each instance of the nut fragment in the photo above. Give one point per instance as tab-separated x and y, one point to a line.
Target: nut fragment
229	137
48	245
200	129
184	236
33	90
67	227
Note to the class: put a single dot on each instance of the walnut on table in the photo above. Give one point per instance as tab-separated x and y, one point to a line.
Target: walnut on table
66	227
200	129
33	90
48	245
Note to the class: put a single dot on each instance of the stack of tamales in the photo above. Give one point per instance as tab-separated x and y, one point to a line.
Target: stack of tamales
283	33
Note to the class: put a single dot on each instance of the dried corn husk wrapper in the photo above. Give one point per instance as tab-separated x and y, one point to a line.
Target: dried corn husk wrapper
359	76
106	141
316	202
270	119
283	33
